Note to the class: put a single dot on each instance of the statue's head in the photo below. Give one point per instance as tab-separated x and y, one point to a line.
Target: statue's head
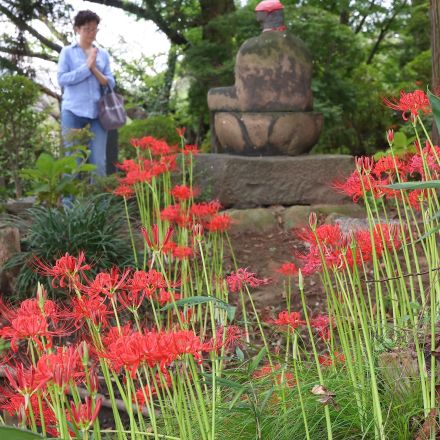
270	14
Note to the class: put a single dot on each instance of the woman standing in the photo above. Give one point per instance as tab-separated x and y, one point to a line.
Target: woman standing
82	70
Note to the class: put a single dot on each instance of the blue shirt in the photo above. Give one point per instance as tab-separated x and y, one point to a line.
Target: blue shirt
81	89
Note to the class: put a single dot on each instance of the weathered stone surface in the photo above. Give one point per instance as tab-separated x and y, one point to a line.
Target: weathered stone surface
19	206
252	220
295	216
273	72
267	133
246	182
9	245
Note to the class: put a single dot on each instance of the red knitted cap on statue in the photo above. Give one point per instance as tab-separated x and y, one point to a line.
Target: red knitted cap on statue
269	6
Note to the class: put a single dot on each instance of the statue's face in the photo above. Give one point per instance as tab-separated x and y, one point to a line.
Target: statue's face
261	16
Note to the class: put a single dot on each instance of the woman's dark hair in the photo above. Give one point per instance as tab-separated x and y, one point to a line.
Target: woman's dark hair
84	17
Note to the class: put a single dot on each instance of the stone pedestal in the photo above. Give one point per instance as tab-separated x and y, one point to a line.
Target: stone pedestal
249	182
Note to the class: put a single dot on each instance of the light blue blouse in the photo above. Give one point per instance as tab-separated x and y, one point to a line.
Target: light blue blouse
81	89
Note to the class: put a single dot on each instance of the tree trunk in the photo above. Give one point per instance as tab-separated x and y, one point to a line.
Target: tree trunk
435	53
168	80
212	9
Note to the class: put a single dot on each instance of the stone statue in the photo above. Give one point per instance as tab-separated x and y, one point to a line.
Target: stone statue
269	110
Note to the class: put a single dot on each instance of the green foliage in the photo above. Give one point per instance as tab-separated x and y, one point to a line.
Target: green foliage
11	433
52	178
95	226
160	127
19	128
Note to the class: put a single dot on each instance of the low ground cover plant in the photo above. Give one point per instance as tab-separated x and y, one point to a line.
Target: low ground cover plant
175	347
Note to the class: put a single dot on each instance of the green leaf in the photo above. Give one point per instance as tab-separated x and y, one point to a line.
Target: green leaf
196	300
239	353
256	361
430	232
435	104
432	184
225	382
11	433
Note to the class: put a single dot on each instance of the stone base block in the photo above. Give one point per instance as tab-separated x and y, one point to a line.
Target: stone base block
248	182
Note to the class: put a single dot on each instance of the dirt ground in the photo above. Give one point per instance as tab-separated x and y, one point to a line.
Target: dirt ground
263	254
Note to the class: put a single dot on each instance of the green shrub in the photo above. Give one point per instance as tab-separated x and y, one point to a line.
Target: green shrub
95	226
160	127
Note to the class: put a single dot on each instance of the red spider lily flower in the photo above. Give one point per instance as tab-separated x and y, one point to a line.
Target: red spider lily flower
123	191
175	214
288	269
136	176
327	361
205	209
242	277
152	348
182	252
34	320
266	371
359	183
154	242
182	192
228	338
165	297
292	320
322	324
84	414
219	223
66	270
410	104
428	158
91	308
190	150
23	380
416	198
390	136
20	406
389	166
180	131
106	283
60	367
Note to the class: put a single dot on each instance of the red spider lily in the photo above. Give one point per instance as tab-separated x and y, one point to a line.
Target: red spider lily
123	191
165	297
66	270
154	242
428	158
182	192
23	380
327	361
135	176
359	183
20	406
322	324
390	136
180	131
190	150
410	104
205	209
292	320
106	283
219	223
416	198
34	320
228	338
266	371
175	214
152	348
242	277
91	308
60	367
182	252
288	269
84	414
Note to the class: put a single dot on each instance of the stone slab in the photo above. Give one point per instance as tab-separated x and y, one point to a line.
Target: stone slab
249	182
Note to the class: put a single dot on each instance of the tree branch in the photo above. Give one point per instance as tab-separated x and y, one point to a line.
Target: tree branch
25	27
148	13
28	53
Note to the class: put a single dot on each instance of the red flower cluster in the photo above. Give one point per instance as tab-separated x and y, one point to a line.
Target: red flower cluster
237	280
410	103
329	244
292	320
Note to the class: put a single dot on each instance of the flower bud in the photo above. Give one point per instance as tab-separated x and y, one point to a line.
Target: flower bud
390	136
313	220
